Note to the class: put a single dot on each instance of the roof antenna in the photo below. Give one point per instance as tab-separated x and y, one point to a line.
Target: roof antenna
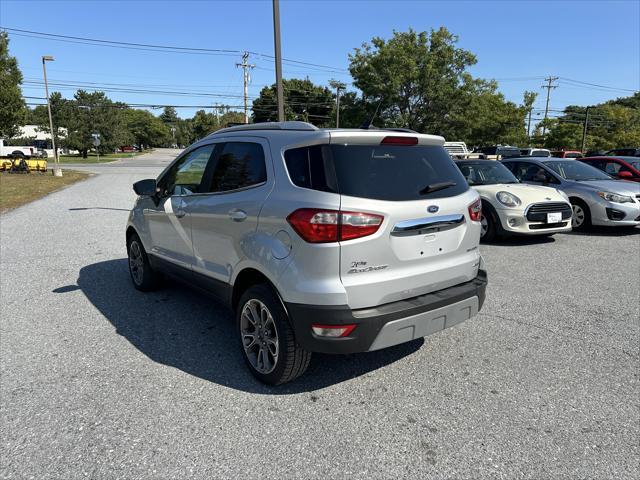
369	123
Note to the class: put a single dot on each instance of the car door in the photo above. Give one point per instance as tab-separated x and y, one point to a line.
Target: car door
169	222
225	217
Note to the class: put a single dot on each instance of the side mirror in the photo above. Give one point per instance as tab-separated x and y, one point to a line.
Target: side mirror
146	187
625	174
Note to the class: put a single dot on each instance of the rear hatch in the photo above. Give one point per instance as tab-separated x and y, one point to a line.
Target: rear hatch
427	239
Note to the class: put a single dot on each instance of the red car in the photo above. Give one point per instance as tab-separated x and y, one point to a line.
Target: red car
622	168
567	154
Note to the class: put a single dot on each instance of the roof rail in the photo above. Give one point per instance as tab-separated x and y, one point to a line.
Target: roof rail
292	125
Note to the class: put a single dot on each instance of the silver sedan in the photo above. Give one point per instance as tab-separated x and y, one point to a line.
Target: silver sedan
596	198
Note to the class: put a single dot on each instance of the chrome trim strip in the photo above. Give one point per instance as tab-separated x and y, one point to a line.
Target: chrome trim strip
422	225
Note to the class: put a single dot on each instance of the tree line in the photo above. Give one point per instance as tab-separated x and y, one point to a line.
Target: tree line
415	80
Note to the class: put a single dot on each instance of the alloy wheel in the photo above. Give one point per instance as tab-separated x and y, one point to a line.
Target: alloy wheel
259	336
484	226
578	216
136	263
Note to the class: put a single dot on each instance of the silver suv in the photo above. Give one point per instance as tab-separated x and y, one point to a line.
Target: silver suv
333	241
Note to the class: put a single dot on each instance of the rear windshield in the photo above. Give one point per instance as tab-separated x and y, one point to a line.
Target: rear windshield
380	172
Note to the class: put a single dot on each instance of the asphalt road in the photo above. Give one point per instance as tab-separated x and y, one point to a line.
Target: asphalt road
98	380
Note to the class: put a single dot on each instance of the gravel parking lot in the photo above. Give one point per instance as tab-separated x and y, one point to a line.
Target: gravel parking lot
101	381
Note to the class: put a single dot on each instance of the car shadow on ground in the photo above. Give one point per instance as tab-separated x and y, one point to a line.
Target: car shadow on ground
520	240
183	329
607	231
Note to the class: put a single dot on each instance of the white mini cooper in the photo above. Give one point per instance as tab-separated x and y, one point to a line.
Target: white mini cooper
513	208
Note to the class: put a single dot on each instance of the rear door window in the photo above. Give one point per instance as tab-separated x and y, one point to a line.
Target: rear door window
238	165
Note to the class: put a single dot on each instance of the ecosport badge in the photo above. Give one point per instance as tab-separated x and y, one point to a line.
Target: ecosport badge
360	267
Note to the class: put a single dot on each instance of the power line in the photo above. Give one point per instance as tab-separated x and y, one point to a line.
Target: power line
597	85
156	47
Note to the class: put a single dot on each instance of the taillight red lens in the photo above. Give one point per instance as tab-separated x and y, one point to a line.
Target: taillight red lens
315	226
356	224
323	226
475	211
392	140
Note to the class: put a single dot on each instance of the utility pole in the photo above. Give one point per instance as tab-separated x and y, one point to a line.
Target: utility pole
550	79
529	125
245	73
338	88
584	130
57	171
278	55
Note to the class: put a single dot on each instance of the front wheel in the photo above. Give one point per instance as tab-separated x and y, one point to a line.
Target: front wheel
581	218
487	226
144	278
267	338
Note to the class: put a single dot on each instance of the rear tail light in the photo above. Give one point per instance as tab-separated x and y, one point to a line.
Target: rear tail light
324	226
334	331
475	211
399	141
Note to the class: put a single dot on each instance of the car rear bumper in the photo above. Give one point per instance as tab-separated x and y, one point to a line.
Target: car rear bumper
390	324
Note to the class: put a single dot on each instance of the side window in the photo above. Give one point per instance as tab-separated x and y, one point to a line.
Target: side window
185	176
239	165
307	168
612	168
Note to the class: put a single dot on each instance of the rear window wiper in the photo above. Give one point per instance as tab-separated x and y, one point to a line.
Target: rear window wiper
434	187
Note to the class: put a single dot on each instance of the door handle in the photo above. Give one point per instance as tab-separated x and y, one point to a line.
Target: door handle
237	215
179	212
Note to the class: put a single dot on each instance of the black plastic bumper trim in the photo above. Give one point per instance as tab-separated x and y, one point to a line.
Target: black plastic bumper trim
371	320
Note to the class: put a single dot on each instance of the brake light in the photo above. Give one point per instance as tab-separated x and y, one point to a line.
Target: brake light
475	211
324	226
399	141
332	330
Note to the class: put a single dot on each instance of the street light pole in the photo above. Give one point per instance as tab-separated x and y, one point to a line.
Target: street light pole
56	163
276	42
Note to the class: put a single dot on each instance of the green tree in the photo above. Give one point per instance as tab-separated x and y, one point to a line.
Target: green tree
62	111
94	112
169	116
203	124
303	101
615	123
12	107
421	82
145	129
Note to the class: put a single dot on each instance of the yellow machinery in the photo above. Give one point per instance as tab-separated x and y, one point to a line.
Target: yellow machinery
23	165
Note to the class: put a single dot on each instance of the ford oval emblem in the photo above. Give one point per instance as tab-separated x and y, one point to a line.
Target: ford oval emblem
433	208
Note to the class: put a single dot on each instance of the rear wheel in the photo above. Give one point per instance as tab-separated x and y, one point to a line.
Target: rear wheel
267	338
581	219
144	278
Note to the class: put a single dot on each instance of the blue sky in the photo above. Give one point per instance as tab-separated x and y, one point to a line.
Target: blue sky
516	42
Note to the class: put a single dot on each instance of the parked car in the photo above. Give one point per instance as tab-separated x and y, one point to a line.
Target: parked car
622	168
333	241
596	198
499	151
566	154
535	152
512	208
624	152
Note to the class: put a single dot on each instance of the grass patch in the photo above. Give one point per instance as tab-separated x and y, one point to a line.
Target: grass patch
18	189
93	158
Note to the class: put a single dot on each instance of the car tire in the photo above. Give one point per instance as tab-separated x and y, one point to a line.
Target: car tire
267	340
581	217
143	276
488	225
